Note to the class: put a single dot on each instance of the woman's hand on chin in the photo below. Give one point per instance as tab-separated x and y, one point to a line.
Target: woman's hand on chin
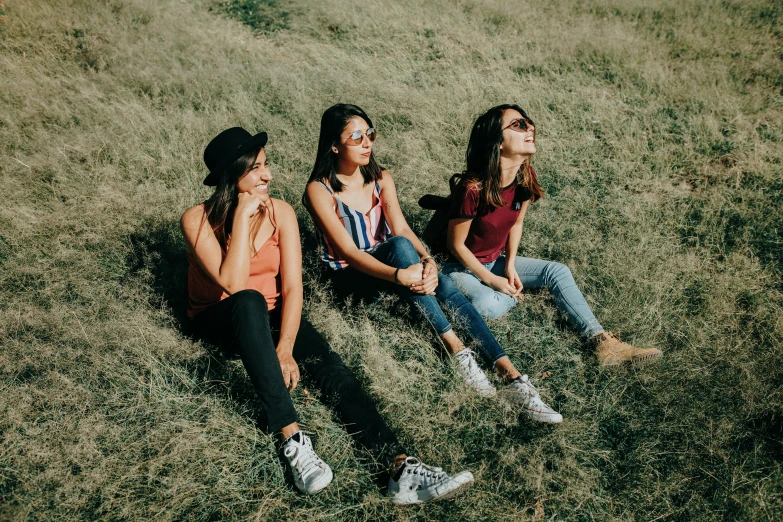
248	204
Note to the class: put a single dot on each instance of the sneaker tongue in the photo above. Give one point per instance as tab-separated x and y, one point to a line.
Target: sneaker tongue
297	437
398	473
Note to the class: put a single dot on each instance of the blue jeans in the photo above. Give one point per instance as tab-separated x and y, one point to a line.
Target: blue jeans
399	253
534	273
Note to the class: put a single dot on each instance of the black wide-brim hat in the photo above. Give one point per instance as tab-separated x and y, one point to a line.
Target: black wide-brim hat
226	148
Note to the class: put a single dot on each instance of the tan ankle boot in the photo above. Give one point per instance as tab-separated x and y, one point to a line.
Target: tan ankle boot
611	351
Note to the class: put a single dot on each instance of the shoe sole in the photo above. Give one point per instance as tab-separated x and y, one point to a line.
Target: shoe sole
320	488
636	361
538	417
486	392
450	494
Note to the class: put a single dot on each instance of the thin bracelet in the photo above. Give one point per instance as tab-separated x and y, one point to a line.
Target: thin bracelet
427	258
396	282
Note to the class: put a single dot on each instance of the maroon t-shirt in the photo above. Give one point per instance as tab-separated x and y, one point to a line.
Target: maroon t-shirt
490	226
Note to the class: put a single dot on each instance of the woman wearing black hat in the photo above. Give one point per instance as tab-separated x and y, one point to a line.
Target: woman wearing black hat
245	293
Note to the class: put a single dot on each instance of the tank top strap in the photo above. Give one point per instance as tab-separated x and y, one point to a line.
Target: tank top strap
326	187
273	218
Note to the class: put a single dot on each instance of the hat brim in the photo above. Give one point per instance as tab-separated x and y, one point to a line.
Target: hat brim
257	141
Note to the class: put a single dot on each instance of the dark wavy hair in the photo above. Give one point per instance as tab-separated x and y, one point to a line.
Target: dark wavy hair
333	122
483	158
219	208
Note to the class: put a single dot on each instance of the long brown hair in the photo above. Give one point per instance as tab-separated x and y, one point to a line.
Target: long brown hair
219	208
333	121
483	158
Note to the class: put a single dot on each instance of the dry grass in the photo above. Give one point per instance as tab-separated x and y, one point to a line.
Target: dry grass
660	130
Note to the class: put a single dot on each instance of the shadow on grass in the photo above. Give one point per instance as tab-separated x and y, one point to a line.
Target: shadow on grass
158	259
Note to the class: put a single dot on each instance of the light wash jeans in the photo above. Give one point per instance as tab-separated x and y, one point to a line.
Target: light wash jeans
534	273
398	251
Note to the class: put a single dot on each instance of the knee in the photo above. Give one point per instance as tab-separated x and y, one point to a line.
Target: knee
250	302
335	378
558	272
404	252
494	305
448	288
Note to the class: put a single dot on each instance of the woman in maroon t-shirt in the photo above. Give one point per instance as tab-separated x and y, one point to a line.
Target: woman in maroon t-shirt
486	216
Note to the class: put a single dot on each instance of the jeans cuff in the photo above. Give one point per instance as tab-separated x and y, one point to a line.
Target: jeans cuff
592	331
492	367
283	423
446	330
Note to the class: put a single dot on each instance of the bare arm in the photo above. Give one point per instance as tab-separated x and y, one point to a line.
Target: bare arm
397	222
399	227
321	205
514	236
457	234
290	275
291	278
232	271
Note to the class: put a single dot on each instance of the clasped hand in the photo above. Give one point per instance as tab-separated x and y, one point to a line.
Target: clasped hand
509	285
421	278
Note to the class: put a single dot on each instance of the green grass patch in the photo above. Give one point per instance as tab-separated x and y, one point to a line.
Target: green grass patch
660	124
263	16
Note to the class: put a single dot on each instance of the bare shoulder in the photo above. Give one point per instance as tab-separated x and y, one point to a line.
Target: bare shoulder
386	179
285	216
283	209
315	192
193	217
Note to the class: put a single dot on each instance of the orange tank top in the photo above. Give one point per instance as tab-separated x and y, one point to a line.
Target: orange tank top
264	277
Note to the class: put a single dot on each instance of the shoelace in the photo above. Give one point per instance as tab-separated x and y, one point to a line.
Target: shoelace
304	455
527	386
417	467
610	338
467	360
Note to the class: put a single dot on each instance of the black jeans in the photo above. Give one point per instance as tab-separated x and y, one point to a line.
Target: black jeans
242	325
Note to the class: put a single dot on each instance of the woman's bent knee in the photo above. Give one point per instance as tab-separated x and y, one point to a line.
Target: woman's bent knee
334	377
494	305
404	250
559	271
249	297
249	301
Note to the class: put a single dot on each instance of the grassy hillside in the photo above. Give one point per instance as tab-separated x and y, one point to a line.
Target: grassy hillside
660	132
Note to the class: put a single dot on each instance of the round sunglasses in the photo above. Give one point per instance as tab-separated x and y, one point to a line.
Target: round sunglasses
519	125
356	136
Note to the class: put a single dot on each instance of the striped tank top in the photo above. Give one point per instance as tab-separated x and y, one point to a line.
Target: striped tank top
368	231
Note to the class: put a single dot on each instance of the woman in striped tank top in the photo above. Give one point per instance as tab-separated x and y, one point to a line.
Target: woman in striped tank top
368	248
245	293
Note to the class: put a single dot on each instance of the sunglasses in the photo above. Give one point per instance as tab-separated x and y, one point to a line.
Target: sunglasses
356	136
519	125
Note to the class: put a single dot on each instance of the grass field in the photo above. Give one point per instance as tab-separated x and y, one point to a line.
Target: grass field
660	138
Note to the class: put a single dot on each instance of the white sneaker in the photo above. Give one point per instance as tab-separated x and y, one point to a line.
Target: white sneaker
311	474
520	391
472	374
414	482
